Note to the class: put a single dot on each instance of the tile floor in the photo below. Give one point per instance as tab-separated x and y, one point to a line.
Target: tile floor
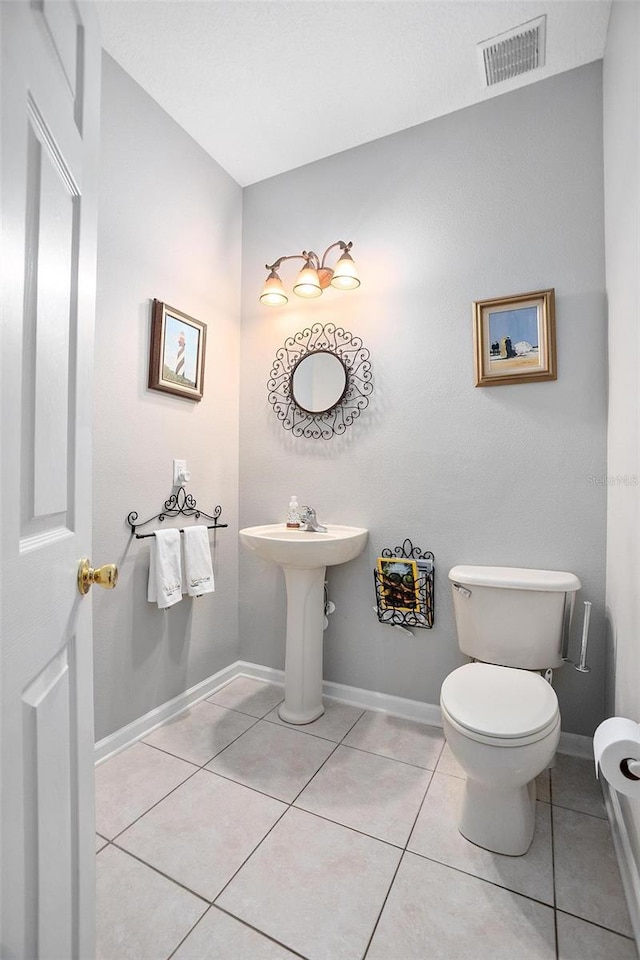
227	835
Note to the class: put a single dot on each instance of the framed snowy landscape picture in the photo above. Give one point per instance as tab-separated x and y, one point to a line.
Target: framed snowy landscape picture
176	363
514	339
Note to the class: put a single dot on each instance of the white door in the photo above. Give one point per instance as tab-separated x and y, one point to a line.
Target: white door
50	125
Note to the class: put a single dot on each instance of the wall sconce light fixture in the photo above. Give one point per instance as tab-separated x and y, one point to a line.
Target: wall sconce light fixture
314	277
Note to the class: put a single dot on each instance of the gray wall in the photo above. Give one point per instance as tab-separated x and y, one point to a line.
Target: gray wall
501	198
622	223
170	228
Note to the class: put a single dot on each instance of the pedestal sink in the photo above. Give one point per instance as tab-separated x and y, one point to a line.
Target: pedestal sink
303	557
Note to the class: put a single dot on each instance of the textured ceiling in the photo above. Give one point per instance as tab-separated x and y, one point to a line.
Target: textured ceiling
266	87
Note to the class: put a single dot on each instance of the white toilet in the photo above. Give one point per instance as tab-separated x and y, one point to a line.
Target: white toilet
500	716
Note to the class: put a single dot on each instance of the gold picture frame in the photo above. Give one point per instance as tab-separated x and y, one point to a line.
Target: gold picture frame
504	331
177	352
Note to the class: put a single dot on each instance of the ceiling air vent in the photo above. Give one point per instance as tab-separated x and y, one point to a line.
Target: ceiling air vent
514	52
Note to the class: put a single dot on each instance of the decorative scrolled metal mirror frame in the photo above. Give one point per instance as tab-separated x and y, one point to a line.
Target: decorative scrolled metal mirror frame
333	421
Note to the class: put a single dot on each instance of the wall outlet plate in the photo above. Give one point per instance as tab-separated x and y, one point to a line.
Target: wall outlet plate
180	472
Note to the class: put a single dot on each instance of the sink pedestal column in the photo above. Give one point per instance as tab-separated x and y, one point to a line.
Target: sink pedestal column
303	657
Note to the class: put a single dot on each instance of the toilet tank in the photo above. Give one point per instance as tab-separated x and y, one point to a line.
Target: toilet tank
513	616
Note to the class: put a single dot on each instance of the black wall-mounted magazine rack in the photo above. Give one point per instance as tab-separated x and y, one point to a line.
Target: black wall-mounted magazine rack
403	582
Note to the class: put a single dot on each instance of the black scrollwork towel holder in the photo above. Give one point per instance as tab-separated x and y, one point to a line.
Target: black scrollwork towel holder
179	504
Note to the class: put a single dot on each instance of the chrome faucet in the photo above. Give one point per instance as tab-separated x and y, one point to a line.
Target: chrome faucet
309	521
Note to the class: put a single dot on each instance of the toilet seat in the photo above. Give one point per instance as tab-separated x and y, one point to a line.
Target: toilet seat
501	706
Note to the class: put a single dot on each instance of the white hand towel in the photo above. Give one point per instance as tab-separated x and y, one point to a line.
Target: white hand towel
165	569
197	561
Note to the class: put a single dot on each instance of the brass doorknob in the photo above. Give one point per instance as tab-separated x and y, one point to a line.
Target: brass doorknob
106	576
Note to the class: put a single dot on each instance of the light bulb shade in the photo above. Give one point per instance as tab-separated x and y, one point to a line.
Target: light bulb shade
345	275
308	283
273	294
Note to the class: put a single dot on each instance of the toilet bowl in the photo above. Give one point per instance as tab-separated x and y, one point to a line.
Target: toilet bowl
500	716
502	725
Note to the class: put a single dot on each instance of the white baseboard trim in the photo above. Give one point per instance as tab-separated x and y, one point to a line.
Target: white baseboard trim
575	745
384	703
570	743
259	672
625	855
356	696
139	728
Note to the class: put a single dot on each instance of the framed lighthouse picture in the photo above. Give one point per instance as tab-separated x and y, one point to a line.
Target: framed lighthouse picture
176	363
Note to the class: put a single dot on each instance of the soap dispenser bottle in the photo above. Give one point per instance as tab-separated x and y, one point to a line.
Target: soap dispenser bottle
293	514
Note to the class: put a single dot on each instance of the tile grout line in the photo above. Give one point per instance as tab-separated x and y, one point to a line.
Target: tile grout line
235	709
559	910
599	926
262	792
294	728
299	728
290	803
553	866
198	768
341	743
314	775
204	767
201	766
210	903
261	933
357	720
213	903
386	756
288	807
384	903
135	856
267	936
475	876
345	826
583	813
190	931
327	819
422	802
153	806
238	783
249	855
402	855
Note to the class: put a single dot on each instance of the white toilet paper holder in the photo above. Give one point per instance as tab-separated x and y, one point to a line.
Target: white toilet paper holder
581	666
616	751
631	769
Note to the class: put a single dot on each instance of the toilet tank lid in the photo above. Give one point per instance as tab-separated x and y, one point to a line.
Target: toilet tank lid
515	578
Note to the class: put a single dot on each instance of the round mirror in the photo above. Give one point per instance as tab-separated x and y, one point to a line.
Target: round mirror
318	381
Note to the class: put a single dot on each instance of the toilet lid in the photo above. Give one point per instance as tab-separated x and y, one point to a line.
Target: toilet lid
499	702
